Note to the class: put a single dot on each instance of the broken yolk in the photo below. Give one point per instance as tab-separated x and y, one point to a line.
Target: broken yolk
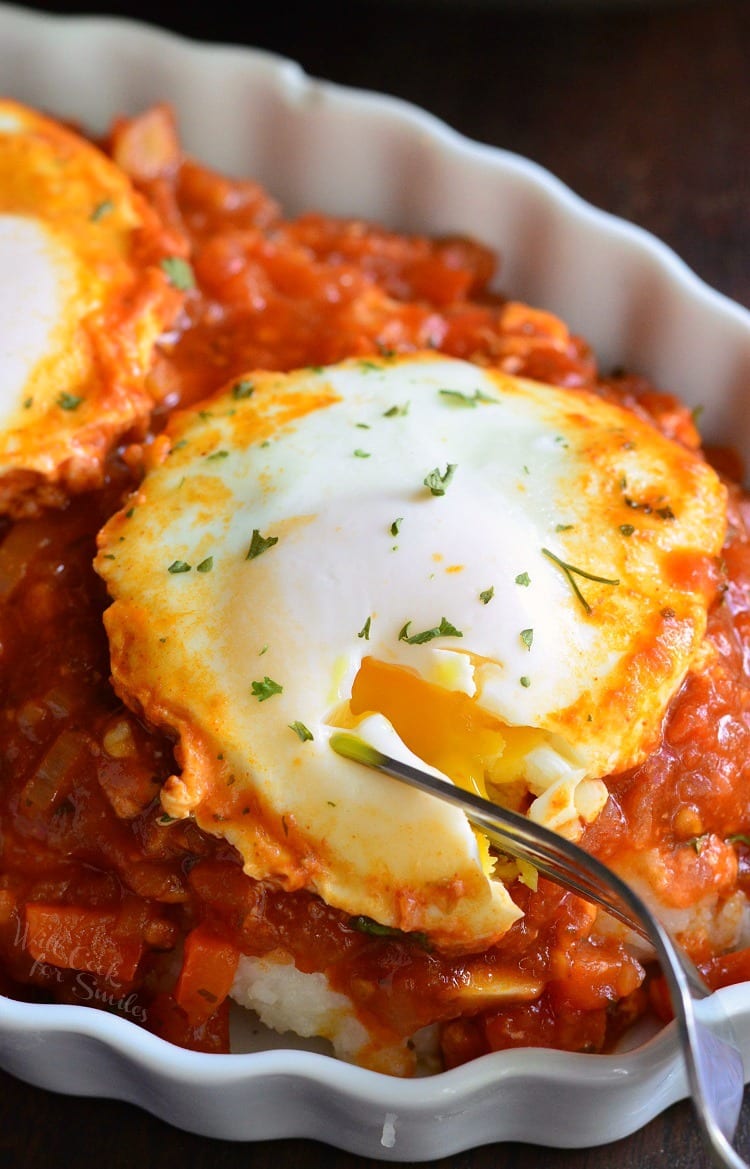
445	728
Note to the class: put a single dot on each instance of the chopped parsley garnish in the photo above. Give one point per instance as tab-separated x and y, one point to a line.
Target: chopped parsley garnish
438	483
365	364
627	529
28	403
527	637
486	596
217	455
260	544
365	630
68	401
242	389
523	579
571	572
397	411
563	527
205	565
525	681
444	629
179	566
360	454
301	731
178	272
457	398
165	819
363	426
396	526
376	929
101	210
265	689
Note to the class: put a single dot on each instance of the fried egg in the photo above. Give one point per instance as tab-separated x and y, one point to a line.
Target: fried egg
83	298
502	580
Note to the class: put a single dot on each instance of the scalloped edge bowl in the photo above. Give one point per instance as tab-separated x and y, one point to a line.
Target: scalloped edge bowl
319	146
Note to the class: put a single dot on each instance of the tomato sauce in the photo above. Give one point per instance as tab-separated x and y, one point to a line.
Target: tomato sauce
103	900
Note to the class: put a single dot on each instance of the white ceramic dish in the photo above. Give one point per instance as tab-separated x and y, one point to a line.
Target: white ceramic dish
318	146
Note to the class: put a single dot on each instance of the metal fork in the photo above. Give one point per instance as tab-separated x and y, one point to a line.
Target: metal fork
714	1065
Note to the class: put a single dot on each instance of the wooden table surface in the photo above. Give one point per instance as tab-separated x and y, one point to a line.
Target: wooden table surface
644	109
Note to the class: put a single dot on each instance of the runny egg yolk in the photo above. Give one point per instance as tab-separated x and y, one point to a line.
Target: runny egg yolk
443	727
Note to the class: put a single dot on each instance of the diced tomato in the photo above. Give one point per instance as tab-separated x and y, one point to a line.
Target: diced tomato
167	1019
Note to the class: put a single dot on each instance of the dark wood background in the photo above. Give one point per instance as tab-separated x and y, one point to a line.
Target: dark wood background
644	109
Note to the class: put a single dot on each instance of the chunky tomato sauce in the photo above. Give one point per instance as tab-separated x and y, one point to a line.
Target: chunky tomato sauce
103	900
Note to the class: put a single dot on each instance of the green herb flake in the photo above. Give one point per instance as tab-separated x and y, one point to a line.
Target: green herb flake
396	526
369	365
205	565
457	398
523	579
178	272
130	513
302	732
263	651
363	426
178	566
101	210
563	527
738	838
627	529
265	689
486	596
438	483
28	403
366	925
525	681
165	819
242	389
360	454
68	401
527	637
213	458
260	544
444	629
365	630
571	572
397	411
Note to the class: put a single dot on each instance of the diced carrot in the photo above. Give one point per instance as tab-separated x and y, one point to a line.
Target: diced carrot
726	969
208	968
76	938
